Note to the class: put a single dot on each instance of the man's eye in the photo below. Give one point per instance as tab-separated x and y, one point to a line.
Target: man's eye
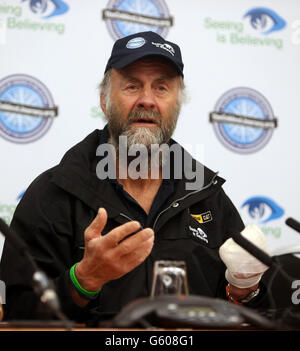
132	87
161	88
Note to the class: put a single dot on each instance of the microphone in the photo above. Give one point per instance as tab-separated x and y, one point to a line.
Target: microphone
14	239
291	222
253	249
41	284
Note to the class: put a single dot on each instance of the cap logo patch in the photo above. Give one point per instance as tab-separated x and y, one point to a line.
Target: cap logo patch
165	46
135	43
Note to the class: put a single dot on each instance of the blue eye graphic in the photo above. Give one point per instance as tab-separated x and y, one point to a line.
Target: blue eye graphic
49	8
263	209
265	20
38	6
19	197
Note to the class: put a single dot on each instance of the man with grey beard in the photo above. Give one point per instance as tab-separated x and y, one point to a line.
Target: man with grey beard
143	134
98	237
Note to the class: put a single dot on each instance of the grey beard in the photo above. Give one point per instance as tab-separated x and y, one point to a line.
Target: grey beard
141	135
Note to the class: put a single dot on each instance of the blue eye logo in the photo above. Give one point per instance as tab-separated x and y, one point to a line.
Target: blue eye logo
19	197
263	209
265	20
49	8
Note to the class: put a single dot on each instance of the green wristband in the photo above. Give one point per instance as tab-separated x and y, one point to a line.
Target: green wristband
83	292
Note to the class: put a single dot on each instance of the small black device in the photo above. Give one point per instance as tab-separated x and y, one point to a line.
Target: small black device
190	311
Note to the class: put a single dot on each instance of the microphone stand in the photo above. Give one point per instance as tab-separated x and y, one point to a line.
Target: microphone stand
292	223
253	249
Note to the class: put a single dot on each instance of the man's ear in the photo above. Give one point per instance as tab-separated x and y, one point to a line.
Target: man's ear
102	103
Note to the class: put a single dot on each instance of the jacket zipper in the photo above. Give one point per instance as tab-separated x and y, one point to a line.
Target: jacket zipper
130	219
212	182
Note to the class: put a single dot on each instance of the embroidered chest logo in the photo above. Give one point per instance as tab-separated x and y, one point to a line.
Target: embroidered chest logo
203	217
199	233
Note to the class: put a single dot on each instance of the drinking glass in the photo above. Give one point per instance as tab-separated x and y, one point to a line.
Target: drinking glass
169	278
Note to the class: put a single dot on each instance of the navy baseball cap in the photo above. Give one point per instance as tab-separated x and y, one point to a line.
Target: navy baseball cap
136	46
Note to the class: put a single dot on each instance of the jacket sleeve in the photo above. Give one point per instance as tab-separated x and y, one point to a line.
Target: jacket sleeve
45	220
231	218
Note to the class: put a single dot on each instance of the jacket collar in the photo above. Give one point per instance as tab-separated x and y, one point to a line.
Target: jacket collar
76	174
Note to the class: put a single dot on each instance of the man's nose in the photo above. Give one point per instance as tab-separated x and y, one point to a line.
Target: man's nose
146	100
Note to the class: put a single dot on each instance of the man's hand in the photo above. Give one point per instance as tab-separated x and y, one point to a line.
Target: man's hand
109	257
244	271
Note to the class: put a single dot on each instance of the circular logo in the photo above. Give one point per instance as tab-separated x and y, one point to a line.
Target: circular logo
22	94
243	120
126	17
135	43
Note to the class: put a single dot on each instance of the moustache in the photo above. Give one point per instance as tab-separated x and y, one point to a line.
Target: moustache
140	115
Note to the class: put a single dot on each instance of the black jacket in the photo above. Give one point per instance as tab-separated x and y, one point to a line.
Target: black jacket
61	203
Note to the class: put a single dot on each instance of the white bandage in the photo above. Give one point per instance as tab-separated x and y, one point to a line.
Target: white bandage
243	269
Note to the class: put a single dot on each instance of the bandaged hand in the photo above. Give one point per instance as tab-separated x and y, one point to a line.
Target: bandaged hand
243	269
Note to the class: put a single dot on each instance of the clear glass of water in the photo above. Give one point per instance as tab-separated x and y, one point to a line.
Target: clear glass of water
169	278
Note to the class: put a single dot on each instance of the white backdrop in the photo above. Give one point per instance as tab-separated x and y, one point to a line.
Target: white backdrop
53	54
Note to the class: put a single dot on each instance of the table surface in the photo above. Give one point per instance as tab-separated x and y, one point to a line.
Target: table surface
35	326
